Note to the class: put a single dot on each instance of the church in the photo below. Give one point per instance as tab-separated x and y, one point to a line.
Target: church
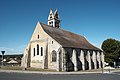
51	47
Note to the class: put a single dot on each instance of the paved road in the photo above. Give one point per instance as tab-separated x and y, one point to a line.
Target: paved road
30	76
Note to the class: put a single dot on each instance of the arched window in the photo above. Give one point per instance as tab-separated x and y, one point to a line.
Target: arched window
41	51
38	36
54	56
37	49
52	42
50	16
51	23
33	51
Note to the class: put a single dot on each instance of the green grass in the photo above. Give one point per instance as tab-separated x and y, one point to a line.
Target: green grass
28	69
11	68
100	70
39	69
50	70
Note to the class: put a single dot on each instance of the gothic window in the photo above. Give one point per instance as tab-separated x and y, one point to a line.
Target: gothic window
51	23
54	56
38	36
41	51
33	51
37	49
57	24
52	42
50	16
56	16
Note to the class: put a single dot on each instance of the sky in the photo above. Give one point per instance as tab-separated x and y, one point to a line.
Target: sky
97	20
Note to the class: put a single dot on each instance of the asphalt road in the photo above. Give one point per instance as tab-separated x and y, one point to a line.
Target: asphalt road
30	76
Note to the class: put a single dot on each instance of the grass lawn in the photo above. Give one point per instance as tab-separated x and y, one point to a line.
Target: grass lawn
50	70
11	68
28	69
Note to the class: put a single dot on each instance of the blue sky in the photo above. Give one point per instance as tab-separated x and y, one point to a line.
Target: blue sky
97	20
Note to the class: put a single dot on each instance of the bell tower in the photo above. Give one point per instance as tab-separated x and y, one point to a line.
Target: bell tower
53	19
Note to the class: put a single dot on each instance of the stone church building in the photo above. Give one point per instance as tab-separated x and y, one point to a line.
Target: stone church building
51	47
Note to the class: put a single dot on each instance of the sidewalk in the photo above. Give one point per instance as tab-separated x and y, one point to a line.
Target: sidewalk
39	72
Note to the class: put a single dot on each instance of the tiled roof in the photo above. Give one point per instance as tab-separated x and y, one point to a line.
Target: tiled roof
68	39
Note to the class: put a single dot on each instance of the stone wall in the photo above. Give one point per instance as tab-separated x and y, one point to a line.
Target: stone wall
80	59
67	59
45	42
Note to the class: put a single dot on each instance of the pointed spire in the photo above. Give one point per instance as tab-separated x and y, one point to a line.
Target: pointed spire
51	12
50	15
53	19
56	14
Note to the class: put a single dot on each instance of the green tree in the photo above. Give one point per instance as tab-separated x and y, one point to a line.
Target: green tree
111	48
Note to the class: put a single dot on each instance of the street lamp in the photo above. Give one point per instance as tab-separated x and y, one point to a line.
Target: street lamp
2	56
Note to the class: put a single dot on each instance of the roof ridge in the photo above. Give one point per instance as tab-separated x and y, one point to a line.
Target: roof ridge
61	29
67	38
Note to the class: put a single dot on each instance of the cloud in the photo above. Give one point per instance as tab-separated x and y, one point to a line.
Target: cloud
9	50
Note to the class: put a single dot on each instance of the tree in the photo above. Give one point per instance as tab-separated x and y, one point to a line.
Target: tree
111	49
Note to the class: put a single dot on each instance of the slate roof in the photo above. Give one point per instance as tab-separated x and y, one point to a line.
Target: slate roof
68	39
